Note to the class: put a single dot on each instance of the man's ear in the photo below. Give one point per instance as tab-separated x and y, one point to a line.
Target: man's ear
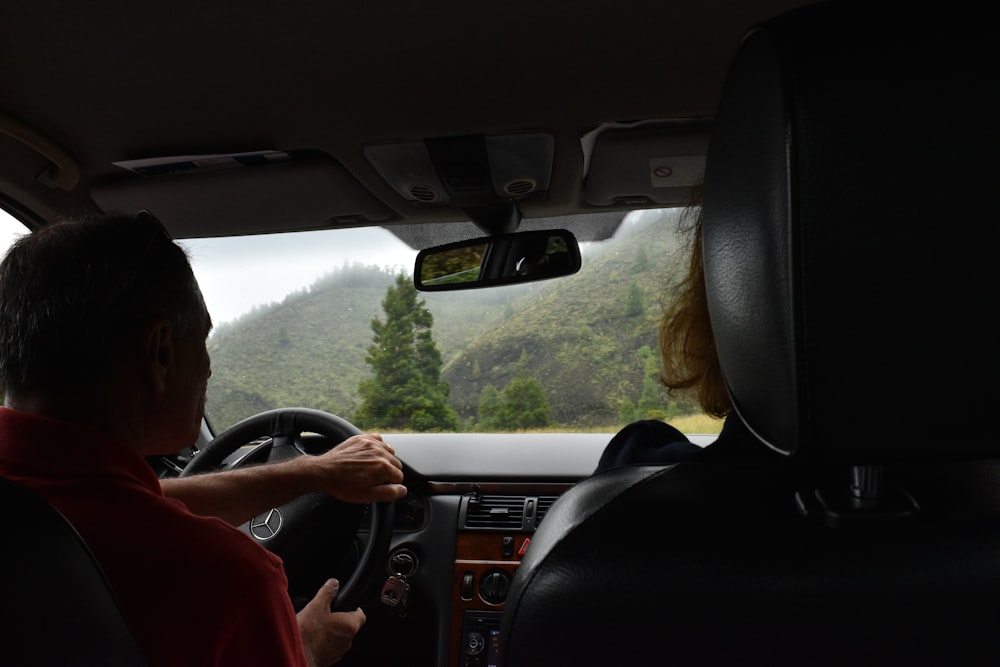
157	353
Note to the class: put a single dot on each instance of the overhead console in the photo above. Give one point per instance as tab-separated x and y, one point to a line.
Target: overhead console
466	171
482	175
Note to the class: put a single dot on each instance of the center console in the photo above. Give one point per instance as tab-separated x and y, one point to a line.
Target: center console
494	533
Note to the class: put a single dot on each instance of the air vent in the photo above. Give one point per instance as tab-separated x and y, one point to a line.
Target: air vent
423	193
544	503
496	512
520	186
521	513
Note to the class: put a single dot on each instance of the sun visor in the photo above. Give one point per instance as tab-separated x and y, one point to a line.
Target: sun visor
644	163
242	193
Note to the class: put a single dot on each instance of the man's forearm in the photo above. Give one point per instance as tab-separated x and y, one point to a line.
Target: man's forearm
236	496
361	469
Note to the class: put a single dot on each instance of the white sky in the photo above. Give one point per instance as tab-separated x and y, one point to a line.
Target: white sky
237	274
10	229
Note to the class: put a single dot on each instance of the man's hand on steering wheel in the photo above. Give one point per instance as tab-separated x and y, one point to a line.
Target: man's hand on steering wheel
361	469
271	472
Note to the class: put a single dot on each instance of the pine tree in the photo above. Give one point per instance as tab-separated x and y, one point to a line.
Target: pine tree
407	392
524	403
653	401
521	405
490	413
633	302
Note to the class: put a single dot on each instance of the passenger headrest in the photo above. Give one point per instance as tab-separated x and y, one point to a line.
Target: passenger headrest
851	236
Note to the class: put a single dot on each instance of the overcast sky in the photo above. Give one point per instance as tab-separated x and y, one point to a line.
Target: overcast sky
237	274
10	229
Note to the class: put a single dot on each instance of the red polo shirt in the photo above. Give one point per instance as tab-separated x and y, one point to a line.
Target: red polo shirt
194	590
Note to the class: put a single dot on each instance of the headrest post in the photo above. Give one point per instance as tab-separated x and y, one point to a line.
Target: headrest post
868	501
866	485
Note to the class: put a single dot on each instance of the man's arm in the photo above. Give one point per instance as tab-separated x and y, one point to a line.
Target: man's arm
361	469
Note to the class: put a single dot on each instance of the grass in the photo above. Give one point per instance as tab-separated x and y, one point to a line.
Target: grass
697	424
689	424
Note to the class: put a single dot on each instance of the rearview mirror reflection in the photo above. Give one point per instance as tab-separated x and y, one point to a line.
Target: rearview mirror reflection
504	259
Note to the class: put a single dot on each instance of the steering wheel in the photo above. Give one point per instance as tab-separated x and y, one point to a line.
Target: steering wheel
274	436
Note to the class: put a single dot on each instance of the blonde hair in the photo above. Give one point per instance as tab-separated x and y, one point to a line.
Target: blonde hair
687	345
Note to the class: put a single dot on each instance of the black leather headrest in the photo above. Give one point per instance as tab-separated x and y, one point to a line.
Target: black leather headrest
851	237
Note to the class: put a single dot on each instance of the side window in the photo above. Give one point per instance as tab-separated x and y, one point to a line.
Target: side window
10	230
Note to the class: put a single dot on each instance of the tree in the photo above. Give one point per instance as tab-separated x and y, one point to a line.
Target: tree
653	403
633	302
521	405
407	392
283	339
653	400
524	403
641	262
490	412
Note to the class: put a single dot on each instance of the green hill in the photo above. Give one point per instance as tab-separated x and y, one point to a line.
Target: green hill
309	350
580	336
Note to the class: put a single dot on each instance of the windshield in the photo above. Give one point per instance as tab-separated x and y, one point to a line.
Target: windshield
330	320
10	229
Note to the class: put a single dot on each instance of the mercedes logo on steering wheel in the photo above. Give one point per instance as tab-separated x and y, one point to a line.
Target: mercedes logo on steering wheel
265	526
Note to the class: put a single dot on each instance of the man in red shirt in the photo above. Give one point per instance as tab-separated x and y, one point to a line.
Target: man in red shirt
103	363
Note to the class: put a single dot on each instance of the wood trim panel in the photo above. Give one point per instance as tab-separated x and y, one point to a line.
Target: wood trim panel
478	553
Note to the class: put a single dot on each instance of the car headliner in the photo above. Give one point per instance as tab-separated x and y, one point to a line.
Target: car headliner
90	84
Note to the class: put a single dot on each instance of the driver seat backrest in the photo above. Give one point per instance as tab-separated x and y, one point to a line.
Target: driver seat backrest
56	608
850	242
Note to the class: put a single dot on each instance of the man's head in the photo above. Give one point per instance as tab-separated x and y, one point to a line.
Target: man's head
78	297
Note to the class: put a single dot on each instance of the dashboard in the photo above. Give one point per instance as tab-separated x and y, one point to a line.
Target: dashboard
474	502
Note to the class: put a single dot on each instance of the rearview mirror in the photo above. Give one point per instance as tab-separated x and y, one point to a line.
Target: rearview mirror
504	259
